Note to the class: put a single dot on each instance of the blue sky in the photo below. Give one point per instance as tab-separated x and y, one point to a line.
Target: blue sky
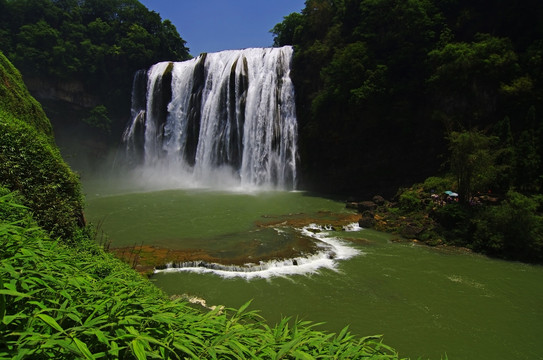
215	25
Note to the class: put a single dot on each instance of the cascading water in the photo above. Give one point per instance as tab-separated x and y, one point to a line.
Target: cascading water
221	119
331	250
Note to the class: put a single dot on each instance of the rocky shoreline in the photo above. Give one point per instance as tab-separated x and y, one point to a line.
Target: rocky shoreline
383	215
147	258
418	227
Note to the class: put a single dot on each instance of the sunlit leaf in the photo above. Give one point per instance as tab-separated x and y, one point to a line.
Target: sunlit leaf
50	321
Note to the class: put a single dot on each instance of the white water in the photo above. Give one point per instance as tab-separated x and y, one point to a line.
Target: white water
229	122
333	250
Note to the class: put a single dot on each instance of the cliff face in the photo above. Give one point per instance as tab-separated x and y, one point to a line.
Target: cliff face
72	92
70	106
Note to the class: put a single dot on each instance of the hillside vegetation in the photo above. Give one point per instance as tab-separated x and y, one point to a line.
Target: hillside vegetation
382	85
446	95
30	162
78	58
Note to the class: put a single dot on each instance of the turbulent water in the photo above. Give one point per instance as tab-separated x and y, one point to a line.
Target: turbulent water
331	251
223	119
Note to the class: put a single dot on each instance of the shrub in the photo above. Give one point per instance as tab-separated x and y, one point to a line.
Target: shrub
15	99
455	220
34	168
512	229
437	184
99	119
410	201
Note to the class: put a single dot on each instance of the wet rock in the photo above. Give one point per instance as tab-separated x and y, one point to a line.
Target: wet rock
366	205
366	222
379	200
410	231
352	205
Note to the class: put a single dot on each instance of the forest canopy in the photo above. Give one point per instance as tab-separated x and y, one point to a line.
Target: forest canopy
381	84
65	38
94	47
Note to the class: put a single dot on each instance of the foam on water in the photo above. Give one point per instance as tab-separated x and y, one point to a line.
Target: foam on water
332	251
353	227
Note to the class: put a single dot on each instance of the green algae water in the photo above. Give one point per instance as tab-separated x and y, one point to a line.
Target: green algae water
427	302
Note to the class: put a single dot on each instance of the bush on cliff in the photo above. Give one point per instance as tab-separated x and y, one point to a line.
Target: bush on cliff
30	162
16	100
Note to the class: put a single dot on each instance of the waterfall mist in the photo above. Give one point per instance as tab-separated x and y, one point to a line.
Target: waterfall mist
224	120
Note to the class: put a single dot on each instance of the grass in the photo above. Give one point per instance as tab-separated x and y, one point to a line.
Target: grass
15	99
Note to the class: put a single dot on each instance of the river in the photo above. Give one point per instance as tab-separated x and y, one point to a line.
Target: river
427	302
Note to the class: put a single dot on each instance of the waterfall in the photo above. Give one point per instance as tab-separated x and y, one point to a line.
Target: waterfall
225	118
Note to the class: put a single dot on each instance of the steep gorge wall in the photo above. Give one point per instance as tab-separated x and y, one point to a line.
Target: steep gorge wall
71	92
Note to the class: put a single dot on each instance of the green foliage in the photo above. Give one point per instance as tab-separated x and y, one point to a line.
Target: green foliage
33	167
57	302
381	83
15	98
288	31
472	161
512	229
96	45
467	78
437	185
350	75
528	161
31	164
122	32
410	201
37	47
455	222
98	119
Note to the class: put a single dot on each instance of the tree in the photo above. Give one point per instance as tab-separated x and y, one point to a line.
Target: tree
34	49
98	119
288	31
472	160
513	229
98	45
352	74
527	161
467	79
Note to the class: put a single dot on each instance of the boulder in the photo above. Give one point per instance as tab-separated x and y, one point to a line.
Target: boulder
366	205
366	222
351	205
410	231
379	200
